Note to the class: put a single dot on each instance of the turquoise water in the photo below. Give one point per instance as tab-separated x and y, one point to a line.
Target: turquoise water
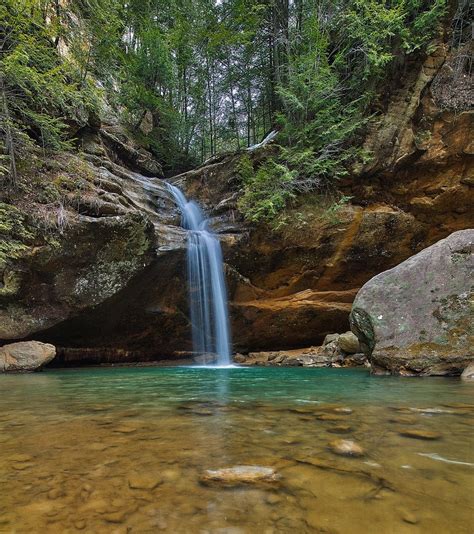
74	442
153	386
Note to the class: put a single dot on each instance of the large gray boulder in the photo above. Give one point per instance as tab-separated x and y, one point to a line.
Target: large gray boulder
468	373
417	317
25	356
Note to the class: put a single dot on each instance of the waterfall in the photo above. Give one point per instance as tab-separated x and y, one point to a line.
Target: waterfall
206	283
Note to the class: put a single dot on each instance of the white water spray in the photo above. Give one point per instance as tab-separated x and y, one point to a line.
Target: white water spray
207	289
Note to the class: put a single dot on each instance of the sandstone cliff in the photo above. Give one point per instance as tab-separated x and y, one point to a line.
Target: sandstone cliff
105	277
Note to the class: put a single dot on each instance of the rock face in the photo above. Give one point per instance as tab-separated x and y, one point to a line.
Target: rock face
25	356
417	317
111	285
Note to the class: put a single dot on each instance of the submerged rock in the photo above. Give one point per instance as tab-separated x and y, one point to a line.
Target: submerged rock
330	417
409	517
240	474
25	356
340	429
145	481
420	434
346	447
417	317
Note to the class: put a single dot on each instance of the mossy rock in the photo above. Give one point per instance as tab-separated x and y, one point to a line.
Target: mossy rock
417	317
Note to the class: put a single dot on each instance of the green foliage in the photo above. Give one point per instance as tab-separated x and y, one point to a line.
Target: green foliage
244	169
215	76
42	92
375	31
14	233
336	56
266	192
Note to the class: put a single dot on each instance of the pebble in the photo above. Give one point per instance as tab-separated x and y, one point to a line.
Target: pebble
340	429
330	417
125	429
404	420
171	475
345	447
409	517
21	467
273	498
20	458
372	464
343	410
419	434
55	493
96	504
146	481
115	517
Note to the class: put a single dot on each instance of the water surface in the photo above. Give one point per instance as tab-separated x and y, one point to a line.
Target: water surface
75	444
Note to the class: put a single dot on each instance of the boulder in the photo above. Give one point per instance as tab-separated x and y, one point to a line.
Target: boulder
417	317
468	373
349	343
25	356
330	338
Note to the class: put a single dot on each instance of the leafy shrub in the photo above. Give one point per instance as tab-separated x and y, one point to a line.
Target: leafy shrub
266	192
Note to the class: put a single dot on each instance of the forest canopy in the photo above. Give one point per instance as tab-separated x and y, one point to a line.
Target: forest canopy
215	76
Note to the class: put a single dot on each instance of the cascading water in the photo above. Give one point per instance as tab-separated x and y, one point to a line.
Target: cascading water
207	289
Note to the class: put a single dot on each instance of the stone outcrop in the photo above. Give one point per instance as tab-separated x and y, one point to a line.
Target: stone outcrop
94	259
25	356
111	285
417	317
